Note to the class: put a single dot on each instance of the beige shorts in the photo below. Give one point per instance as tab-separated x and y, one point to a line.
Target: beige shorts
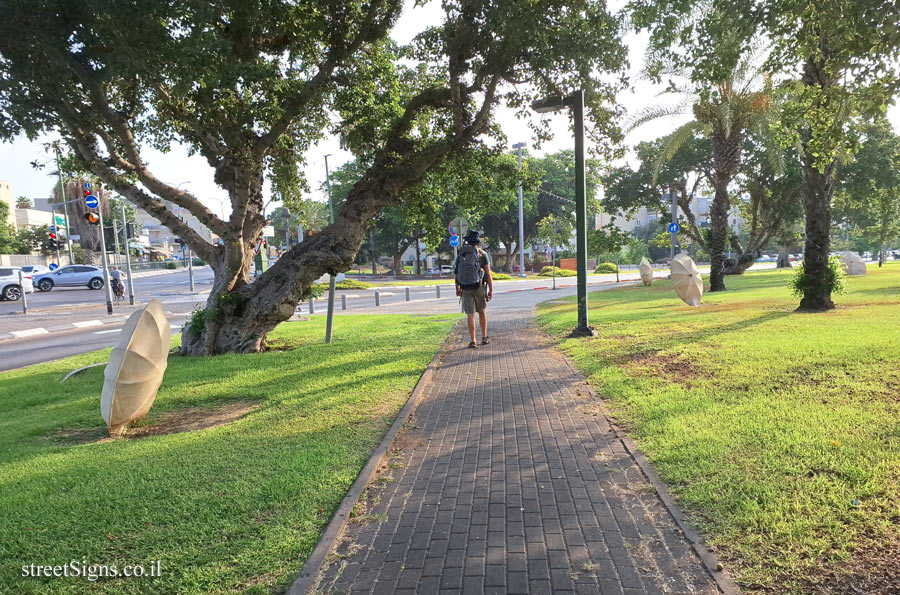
474	300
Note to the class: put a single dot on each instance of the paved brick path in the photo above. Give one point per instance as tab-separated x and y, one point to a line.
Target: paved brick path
508	480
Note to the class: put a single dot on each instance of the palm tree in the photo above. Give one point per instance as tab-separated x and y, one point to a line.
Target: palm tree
724	112
23	202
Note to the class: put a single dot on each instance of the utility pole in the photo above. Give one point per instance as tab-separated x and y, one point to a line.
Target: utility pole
128	259
109	309
62	197
372	247
329	319
518	147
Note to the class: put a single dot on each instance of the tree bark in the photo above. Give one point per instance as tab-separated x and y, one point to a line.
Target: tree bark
784	259
819	188
726	160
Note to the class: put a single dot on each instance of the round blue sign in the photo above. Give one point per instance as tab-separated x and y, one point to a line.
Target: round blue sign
674	227
52	228
454	240
91	202
53	266
87	185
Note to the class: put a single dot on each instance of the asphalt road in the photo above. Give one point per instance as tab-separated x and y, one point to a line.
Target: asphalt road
144	287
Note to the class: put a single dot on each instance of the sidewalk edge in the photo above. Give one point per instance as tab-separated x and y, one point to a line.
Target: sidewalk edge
306	579
710	561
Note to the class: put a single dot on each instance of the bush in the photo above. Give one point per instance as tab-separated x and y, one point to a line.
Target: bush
353	284
500	276
172	265
606	267
548	272
836	281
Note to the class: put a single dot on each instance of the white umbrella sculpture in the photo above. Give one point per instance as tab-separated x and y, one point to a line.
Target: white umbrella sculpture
853	264
686	280
646	272
136	367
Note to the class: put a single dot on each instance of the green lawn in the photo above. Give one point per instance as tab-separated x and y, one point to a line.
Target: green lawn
778	431
236	508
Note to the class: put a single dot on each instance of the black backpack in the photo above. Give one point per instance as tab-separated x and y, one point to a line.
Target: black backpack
468	268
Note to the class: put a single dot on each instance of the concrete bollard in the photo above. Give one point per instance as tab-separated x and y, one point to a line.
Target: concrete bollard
437	291
377	299
343	302
312	306
407	294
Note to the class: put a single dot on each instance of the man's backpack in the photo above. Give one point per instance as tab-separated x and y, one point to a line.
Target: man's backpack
468	269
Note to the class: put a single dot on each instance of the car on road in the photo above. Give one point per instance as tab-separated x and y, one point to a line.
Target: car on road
35	269
765	258
10	289
75	275
446	269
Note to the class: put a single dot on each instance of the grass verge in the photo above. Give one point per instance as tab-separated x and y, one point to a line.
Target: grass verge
778	431
232	508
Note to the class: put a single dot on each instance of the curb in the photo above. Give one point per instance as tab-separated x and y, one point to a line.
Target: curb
32	332
306	580
710	561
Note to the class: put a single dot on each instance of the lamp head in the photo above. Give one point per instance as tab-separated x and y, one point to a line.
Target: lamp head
548	104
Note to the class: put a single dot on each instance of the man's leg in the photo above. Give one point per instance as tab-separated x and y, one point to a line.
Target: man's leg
470	320
482	318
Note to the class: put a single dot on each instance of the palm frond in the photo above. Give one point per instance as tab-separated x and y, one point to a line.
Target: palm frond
648	114
674	142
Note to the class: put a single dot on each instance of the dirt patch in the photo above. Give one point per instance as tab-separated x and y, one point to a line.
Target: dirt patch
873	570
190	419
671	367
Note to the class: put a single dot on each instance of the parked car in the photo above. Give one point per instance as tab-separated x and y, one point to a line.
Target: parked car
765	258
446	269
75	275
35	269
10	289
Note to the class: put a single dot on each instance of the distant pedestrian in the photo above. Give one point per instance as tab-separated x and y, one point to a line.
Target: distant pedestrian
474	284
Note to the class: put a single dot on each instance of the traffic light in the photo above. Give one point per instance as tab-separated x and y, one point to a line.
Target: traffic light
92	218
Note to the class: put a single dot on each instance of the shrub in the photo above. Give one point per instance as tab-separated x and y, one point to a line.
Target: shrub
500	276
548	272
606	267
172	265
836	280
353	284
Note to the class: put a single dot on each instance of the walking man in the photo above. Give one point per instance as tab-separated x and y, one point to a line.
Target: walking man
475	284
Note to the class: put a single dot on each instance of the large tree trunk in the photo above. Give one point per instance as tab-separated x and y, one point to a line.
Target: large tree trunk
784	259
507	267
819	189
739	265
398	263
726	160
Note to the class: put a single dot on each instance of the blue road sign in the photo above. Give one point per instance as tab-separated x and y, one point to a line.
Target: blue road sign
52	228
454	240
53	266
91	202
674	227
87	185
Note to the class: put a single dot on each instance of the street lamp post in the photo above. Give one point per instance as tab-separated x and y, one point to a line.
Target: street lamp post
576	102
329	319
62	197
190	252
518	147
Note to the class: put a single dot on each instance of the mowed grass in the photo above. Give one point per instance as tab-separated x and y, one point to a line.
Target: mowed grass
235	508
778	431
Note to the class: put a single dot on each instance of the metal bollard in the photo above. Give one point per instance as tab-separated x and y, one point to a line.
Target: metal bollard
437	291
312	306
22	288
377	299
407	294
343	302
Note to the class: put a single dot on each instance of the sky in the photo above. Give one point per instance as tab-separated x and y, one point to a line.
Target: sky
194	175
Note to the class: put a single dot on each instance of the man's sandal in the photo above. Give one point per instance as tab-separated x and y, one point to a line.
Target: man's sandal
472	345
485	340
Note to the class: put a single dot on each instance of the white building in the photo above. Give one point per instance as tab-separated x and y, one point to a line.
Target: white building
643	217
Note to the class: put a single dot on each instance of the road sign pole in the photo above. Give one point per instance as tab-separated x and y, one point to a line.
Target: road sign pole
128	261
109	309
518	147
22	286
191	267
580	212
674	220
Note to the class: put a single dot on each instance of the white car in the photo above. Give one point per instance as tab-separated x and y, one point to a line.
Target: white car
446	269
35	269
10	289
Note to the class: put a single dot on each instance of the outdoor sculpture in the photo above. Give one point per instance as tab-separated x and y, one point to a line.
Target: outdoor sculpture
853	264
686	280
646	272
136	367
